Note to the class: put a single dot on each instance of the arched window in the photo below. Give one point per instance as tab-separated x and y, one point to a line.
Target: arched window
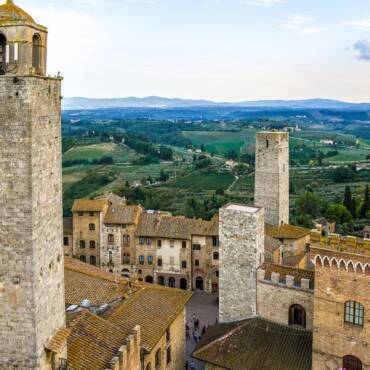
215	256
149	279
83	258
297	315
141	260
183	284
2	54
149	366
161	280
158	360
82	244
36	51
92	244
171	282
351	363
93	260
354	313
199	285
91	227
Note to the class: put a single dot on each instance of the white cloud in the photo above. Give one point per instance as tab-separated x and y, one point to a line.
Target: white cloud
300	23
362	23
263	3
361	50
314	30
295	21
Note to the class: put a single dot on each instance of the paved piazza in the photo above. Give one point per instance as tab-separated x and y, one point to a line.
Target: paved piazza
205	307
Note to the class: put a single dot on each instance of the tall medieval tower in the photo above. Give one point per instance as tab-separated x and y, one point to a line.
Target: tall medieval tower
242	238
272	176
31	252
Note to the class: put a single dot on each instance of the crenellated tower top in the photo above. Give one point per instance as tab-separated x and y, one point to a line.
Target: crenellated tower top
23	43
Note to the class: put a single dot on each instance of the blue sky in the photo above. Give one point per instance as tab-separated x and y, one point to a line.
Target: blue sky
224	50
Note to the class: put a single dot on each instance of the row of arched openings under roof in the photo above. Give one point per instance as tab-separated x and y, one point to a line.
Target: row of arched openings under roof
36	52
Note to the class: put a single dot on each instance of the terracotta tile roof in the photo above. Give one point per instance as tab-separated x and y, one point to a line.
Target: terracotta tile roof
154	308
58	341
83	281
345	244
293	261
89	205
292	271
286	231
151	306
164	226
93	342
256	344
122	214
67	225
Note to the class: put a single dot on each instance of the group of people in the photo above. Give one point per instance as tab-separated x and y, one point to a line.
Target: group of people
196	335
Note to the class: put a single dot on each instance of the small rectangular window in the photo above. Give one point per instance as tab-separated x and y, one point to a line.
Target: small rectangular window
183	244
160	262
66	240
196	247
172	243
141	240
159	243
80	213
196	262
183	264
150	260
91	214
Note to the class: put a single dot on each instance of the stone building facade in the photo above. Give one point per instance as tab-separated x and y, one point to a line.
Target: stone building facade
241	253
281	291
272	176
31	250
155	247
88	216
341	309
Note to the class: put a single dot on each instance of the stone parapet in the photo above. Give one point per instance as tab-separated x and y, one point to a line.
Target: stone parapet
288	282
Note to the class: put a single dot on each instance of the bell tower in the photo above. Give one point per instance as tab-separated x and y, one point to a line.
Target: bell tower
31	253
23	43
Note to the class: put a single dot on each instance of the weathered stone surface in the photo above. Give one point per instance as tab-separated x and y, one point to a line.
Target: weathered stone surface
333	338
241	252
31	250
272	176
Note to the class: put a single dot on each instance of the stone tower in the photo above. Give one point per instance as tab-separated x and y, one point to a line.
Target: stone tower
31	252
272	176
242	236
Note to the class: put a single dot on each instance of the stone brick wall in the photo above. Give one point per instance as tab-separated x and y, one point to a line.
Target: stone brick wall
274	299
31	230
272	176
241	252
333	337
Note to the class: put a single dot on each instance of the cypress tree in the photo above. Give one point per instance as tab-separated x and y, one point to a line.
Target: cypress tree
347	202
354	208
366	204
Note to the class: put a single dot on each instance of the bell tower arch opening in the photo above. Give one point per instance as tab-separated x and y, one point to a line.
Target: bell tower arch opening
36	51
2	53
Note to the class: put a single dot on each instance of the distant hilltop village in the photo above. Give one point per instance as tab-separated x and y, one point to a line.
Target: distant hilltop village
114	296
